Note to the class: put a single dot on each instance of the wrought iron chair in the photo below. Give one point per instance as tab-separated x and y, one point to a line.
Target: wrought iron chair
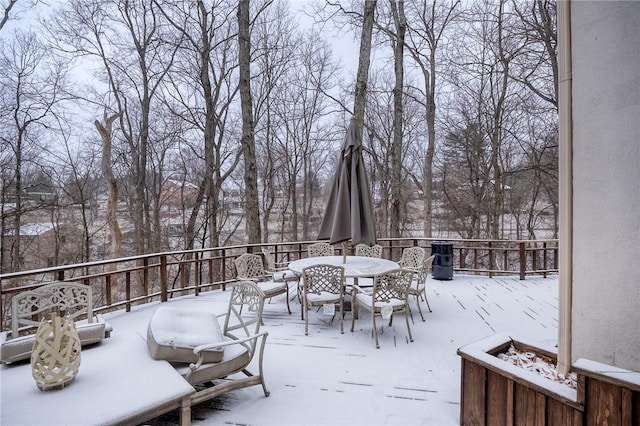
320	249
369	251
389	296
419	284
280	272
322	285
412	257
250	267
277	270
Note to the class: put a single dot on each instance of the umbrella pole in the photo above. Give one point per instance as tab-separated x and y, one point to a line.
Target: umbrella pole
344	252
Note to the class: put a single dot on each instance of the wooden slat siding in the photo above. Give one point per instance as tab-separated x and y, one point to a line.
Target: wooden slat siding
525	413
562	415
603	403
597	410
497	399
626	406
473	394
541	409
608	399
511	405
635	411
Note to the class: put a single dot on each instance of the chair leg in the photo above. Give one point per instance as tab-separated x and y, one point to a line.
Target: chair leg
406	316
305	310
288	307
426	299
375	329
354	309
419	308
341	317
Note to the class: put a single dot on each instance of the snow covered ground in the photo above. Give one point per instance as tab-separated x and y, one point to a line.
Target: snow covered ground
327	378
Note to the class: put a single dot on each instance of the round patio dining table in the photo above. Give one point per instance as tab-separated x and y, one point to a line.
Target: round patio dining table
355	266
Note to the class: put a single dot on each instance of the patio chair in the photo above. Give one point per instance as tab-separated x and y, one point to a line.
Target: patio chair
322	285
419	284
388	297
320	249
211	367
412	257
250	267
369	251
278	270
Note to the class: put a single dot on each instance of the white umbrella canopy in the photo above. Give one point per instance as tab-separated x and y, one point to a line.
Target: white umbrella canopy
349	214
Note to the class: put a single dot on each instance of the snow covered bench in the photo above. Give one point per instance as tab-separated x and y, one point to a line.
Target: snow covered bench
30	307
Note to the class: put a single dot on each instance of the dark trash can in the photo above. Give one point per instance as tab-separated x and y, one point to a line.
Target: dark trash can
442	267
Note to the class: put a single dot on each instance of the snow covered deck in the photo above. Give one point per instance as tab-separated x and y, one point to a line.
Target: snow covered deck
329	378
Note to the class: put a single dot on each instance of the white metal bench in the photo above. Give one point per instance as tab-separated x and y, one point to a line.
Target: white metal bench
30	307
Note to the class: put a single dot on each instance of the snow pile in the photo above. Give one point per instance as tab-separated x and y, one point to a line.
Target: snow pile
541	365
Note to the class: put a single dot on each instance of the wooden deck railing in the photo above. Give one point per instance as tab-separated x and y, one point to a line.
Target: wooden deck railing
124	282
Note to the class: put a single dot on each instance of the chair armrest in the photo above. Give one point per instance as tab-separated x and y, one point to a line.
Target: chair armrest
357	289
199	349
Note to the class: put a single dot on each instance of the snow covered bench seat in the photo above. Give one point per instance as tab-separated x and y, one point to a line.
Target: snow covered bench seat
30	307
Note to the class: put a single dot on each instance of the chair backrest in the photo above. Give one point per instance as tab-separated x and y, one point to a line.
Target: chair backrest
244	314
319	278
249	266
29	307
392	285
369	251
320	249
412	257
423	273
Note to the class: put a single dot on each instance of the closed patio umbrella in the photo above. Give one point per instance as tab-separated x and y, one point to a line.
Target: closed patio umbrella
349	213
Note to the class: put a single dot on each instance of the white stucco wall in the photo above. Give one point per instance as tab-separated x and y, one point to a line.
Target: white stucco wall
605	40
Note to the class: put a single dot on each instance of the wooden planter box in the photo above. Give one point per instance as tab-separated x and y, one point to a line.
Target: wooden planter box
610	395
495	392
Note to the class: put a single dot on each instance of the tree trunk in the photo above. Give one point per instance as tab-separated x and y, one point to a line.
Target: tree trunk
396	150
112	185
252	212
496	136
364	60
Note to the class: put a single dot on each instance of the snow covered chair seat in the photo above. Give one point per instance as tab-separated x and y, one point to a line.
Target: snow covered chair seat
30	307
242	342
250	267
389	296
173	333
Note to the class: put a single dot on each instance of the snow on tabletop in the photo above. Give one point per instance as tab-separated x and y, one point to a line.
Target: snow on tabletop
116	380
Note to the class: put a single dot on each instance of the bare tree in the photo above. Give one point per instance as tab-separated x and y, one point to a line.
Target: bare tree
130	42
364	60
426	28
400	23
252	207
305	140
538	62
275	47
200	92
32	86
9	9
106	130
